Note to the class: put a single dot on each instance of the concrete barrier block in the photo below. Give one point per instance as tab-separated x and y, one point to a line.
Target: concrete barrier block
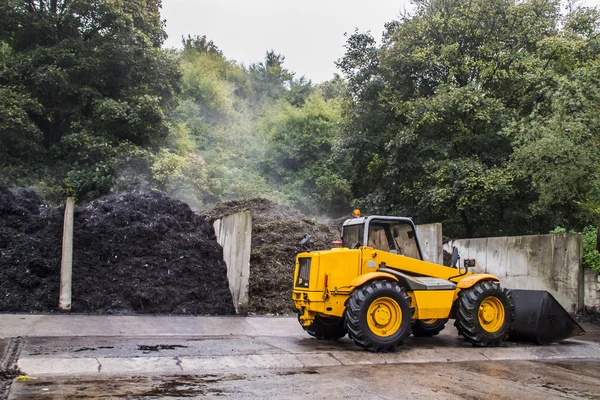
542	262
234	234
430	240
478	252
517	258
497	251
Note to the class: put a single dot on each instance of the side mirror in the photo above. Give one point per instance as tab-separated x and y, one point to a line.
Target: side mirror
305	242
455	263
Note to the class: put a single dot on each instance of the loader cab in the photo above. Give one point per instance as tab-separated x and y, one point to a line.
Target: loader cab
392	234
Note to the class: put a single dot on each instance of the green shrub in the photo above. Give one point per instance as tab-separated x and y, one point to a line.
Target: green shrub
591	256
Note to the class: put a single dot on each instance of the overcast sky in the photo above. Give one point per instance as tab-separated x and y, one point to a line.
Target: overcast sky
309	33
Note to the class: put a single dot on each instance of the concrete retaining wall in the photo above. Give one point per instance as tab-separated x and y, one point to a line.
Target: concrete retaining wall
545	262
592	290
234	234
430	239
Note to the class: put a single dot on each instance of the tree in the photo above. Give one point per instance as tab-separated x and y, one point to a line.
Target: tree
200	44
95	75
300	142
269	78
455	117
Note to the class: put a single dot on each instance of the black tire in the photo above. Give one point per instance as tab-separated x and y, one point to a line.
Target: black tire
357	317
469	308
326	328
426	328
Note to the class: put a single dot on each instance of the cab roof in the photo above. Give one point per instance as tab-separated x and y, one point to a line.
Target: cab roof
363	220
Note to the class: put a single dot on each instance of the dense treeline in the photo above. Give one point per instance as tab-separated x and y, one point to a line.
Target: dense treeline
84	86
481	114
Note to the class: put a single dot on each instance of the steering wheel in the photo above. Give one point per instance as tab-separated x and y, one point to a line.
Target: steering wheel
356	245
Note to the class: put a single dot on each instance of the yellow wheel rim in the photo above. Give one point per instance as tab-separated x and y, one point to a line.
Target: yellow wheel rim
384	317
491	314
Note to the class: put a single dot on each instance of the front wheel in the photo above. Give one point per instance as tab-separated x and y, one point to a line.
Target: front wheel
485	313
379	316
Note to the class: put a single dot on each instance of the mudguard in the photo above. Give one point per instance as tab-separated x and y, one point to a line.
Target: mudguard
472	279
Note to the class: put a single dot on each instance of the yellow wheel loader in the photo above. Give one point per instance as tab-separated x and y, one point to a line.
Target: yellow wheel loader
376	288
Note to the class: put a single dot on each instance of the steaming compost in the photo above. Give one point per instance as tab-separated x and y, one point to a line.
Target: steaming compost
146	253
138	252
276	231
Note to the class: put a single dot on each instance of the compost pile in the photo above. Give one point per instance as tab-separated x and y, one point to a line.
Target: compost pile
335	225
276	231
30	243
138	252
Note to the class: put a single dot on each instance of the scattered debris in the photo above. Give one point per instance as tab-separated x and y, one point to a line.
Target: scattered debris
10	374
6	378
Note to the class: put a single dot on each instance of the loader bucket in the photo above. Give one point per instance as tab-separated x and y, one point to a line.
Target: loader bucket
540	319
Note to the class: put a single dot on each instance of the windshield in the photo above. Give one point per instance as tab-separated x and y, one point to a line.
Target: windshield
352	235
394	236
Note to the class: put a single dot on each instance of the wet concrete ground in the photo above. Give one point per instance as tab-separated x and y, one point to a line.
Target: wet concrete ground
465	380
83	357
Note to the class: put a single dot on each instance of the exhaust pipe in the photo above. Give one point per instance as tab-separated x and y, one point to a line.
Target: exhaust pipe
540	319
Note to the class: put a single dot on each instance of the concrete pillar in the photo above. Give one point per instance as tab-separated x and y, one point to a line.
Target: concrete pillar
66	265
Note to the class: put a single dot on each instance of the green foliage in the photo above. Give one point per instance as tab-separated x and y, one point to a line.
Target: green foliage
299	147
591	256
260	132
200	44
558	229
479	114
86	81
269	78
475	113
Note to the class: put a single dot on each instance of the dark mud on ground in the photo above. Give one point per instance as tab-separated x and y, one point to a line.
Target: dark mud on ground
6	378
588	316
133	253
276	231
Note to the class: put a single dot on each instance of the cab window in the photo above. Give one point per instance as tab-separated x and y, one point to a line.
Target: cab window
352	235
394	236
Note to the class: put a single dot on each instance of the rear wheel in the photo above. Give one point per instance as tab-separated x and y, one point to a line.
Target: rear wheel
379	316
428	327
326	328
485	313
